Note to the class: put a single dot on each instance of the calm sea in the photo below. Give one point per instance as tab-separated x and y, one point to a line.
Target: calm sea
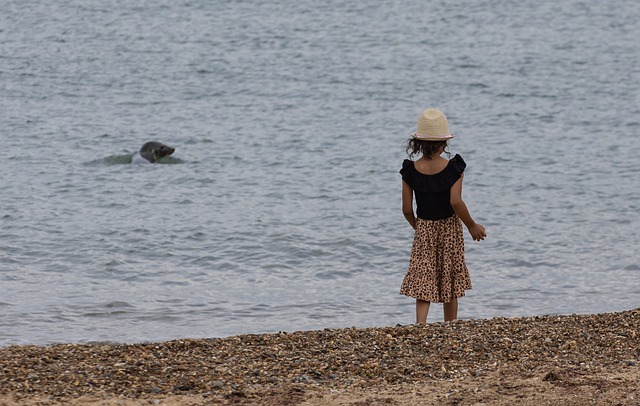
280	209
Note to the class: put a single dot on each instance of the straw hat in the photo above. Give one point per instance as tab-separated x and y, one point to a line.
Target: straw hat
432	126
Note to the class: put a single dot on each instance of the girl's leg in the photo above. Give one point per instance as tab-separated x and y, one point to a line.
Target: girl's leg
451	310
422	308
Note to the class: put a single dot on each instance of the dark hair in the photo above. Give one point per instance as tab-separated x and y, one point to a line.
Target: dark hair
426	148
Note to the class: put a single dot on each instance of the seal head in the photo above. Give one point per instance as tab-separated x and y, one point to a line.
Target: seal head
152	151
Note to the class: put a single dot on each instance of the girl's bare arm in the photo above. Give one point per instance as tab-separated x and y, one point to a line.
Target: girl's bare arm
476	230
407	204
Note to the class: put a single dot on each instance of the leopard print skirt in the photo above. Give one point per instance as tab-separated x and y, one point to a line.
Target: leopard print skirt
437	271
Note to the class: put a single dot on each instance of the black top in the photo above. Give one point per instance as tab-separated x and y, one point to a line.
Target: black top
433	191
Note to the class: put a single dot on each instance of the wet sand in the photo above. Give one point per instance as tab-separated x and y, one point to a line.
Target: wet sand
569	360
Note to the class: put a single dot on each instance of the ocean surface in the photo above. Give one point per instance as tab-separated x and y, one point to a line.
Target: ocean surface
281	208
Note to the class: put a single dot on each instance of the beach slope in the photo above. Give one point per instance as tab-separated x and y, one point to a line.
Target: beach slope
569	360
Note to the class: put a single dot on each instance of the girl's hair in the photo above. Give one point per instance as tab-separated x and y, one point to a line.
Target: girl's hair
426	148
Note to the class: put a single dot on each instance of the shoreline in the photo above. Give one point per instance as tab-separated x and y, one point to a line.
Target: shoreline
568	359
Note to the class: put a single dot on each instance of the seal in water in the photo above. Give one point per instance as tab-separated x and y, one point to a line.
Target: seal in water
150	152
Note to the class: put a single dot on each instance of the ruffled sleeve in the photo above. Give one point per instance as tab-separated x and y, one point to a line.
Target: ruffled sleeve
405	166
458	164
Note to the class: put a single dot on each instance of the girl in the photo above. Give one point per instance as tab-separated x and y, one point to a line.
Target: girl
437	271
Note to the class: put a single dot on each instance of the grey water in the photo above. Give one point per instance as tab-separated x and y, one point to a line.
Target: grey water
280	209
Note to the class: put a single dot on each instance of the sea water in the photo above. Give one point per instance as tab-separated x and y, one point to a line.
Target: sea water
280	209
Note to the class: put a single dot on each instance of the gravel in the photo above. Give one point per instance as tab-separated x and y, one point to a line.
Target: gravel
240	368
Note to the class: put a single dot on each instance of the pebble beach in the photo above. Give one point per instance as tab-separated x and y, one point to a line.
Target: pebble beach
569	359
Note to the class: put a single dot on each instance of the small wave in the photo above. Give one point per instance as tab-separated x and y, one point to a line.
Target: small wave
118	159
111	160
125	159
170	160
105	314
117	304
113	308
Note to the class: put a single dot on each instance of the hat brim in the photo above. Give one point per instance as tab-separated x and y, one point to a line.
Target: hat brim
430	138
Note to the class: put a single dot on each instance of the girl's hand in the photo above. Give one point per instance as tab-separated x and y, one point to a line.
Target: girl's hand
477	232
